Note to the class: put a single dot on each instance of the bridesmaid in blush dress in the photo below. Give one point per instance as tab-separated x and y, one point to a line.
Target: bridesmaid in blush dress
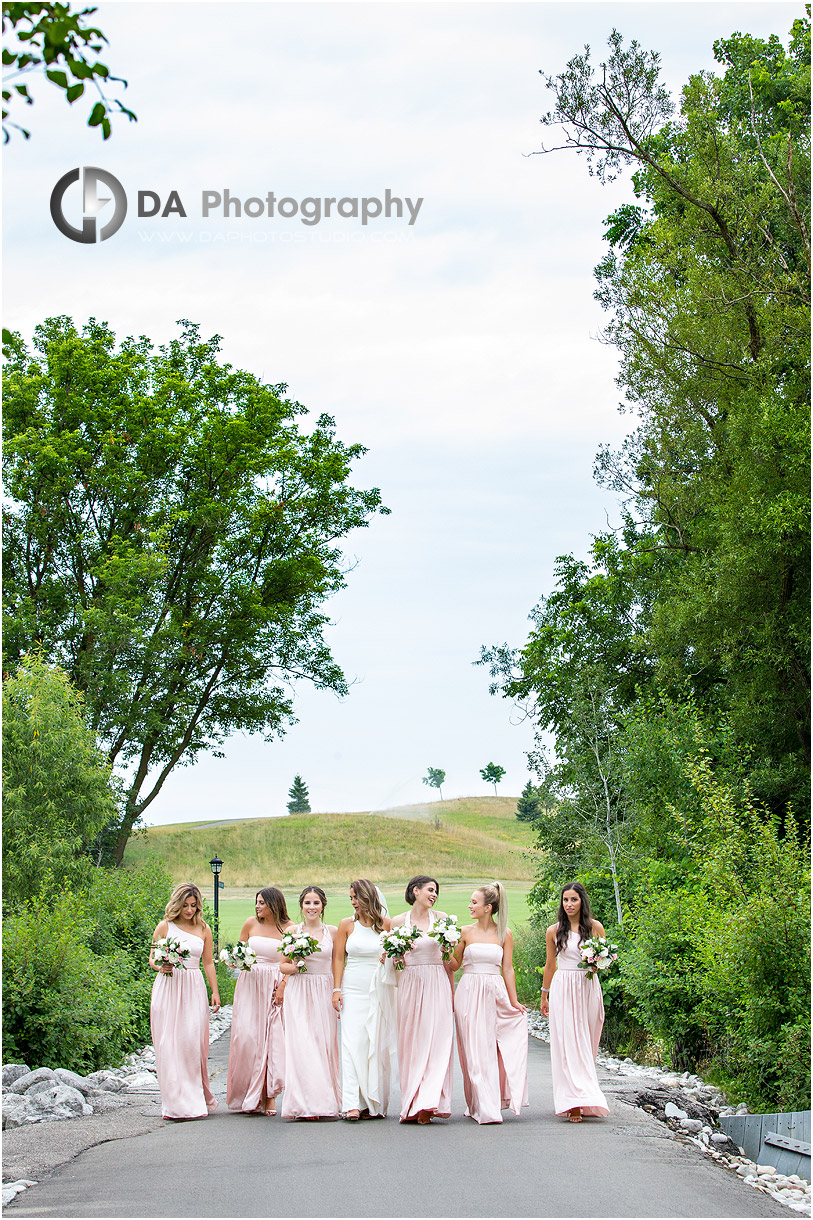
575	1009
257	1049
492	1026
311	1047
365	1004
179	1010
425	1016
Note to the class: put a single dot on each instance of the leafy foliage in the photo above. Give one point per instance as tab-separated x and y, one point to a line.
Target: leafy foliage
492	773
434	778
57	794
170	538
51	37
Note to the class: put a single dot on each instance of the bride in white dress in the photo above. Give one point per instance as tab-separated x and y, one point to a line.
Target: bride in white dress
364	998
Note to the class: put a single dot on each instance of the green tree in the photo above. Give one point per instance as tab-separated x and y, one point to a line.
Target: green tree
57	794
52	38
171	535
492	774
298	793
435	778
707	287
528	803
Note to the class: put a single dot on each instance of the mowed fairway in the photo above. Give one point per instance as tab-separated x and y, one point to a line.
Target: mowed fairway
461	842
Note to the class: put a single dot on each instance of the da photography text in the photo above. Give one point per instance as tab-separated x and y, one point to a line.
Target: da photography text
89	205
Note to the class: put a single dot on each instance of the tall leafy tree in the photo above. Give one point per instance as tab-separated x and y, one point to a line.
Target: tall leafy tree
434	778
172	532
299	800
707	287
492	774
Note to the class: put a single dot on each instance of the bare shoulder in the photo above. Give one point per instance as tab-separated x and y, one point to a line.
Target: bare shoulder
332	929
398	921
346	924
597	928
509	937
552	930
387	922
440	914
161	931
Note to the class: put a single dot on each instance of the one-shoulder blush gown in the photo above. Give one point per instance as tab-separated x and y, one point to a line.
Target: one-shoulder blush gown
576	1019
257	1049
425	1031
179	1020
492	1038
366	1025
311	1048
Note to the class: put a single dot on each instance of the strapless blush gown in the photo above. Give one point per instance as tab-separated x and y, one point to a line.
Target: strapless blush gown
179	1020
576	1019
492	1038
425	1031
257	1049
366	1024
311	1047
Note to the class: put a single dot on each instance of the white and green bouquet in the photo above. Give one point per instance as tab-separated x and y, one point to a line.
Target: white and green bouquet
446	932
597	954
170	951
297	946
238	957
399	941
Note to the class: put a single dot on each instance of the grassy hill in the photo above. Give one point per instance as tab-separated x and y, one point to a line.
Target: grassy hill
477	838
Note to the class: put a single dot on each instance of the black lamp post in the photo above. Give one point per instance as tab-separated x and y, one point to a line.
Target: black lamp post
217	864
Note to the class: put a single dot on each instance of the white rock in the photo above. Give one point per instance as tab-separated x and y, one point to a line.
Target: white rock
762	1169
10	1189
60	1102
23	1083
72	1079
717	1137
673	1111
16	1110
142	1082
13	1071
105	1080
691	1124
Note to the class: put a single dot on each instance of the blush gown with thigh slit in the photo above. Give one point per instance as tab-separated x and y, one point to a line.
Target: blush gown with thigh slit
179	1020
425	1031
492	1037
311	1048
257	1048
576	1017
365	1025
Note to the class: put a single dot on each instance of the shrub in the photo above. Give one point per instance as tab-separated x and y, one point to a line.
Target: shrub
64	1006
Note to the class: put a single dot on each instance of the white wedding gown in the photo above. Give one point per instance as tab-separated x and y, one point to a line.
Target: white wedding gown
367	1024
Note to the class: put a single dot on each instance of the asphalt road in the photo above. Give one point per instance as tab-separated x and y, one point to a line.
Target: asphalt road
535	1165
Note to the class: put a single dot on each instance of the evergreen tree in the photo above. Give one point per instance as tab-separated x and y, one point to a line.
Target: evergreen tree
528	803
299	802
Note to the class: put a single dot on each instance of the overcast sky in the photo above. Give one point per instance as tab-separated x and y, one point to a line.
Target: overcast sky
462	350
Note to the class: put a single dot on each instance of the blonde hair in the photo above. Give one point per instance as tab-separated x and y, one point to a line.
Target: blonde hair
179	896
494	895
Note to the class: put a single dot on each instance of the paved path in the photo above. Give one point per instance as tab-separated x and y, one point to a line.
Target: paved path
234	1165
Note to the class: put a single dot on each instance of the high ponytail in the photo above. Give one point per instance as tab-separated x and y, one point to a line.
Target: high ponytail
494	894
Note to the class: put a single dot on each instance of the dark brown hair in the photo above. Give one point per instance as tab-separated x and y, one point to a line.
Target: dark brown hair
585	917
274	899
417	883
313	889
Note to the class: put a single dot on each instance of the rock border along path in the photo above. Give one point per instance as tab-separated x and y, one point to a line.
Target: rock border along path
690	1108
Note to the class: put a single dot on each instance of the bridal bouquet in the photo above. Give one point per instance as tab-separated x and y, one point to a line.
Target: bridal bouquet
597	954
238	957
398	942
170	950
297	946
446	932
